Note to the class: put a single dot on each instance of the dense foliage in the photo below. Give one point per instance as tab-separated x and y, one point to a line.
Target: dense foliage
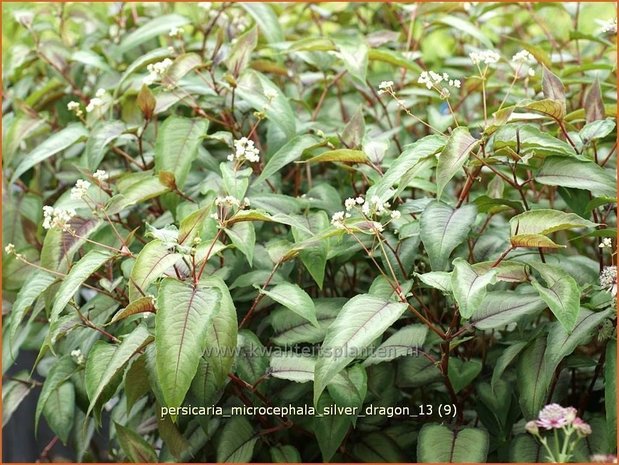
400	215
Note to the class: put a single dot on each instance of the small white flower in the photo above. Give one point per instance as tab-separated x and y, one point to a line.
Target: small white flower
385	87
9	249
74	107
56	217
609	26
531	72
360	200
244	149
157	71
488	57
94	104
606	242
395	215
608	279
101	93
101	175
378	227
523	56
78	356
350	203
80	189
175	32
270	94
338	218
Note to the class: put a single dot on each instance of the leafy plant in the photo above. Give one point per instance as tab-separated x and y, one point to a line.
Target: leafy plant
311	232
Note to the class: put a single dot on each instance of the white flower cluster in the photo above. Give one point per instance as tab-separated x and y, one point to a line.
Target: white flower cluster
176	32
606	242
75	107
231	201
80	189
270	95
244	149
385	87
488	57
97	102
156	71
433	80
610	26
371	208
10	249
101	175
56	217
78	357
608	279
526	59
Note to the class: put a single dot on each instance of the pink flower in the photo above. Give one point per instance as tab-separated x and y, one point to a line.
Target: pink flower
582	428
553	416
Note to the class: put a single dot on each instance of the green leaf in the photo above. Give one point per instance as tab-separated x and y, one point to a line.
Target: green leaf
533	378
123	352
103	134
562	343
469	286
393	58
452	158
57	142
349	387
530	228
610	392
136	383
330	430
440	280
561	293
144	60
580	175
177	145
146	187
152	262
552	86
241	50
533	142
182	65
99	357
134	446
38	282
243	236
524	448
462	373
354	54
155	27
266	19
315	252
443	229
461	25
508	355
185	313
13	394
285	454
362	319
295	299
417	372
141	305
291	151
597	129
80	272
379	447
340	156
499	308
60	372
292	366
237	441
438	443
20	130
222	332
59	411
412	154
290	329
553	108
404	342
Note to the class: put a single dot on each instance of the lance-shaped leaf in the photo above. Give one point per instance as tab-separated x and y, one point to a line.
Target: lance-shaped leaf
469	286
266	19
129	345
594	105
500	308
237	440
60	372
243	236
561	293
177	144
361	320
291	151
182	65
55	143
185	313
80	272
533	378
152	262
59	411
146	187
102	135
14	391
552	86
134	446
340	156
562	343
141	305
330	430
443	229
291	329
152	29
439	443
552	108
292	366
99	357
529	229
240	52
452	158
405	341
559	171
295	299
